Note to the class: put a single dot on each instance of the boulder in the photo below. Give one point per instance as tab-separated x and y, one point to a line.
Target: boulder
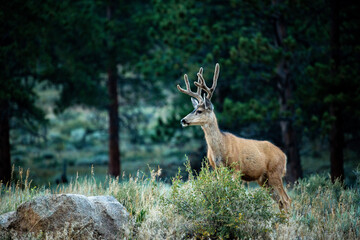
72	216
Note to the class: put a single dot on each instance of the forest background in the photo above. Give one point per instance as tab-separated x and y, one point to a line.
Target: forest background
93	83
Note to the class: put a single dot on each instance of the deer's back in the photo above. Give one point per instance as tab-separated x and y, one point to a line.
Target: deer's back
254	158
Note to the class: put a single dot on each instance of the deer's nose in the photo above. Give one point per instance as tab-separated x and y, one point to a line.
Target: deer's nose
183	121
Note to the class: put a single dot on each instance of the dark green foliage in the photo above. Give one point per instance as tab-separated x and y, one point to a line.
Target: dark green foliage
66	46
48	43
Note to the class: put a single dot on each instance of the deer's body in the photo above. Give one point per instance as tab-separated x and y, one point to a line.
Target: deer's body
259	161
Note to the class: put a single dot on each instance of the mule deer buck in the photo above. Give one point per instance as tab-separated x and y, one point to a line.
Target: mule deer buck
259	161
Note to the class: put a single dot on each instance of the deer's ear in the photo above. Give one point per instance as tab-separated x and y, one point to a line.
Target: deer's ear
194	102
208	104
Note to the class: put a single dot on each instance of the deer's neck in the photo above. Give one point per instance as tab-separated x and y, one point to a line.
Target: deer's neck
214	139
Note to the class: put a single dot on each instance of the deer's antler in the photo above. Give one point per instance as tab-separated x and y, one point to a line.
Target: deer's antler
188	91
202	85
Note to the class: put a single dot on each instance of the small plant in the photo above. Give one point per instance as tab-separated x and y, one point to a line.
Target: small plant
219	206
357	175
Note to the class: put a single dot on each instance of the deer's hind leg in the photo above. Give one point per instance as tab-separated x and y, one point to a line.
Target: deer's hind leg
276	183
277	191
263	181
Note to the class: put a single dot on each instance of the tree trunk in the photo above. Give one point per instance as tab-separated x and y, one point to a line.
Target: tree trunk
285	87
288	133
337	130
336	145
5	160
114	151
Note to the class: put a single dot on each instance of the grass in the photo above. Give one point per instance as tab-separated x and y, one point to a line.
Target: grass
322	210
214	204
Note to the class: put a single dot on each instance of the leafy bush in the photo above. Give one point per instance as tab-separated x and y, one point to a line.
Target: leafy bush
217	205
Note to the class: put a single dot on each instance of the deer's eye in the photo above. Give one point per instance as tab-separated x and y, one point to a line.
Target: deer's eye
199	111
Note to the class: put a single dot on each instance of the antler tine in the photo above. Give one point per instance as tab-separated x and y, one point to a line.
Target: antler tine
199	81
188	91
216	76
201	84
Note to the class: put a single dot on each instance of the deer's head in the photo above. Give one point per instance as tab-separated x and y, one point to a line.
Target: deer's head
203	112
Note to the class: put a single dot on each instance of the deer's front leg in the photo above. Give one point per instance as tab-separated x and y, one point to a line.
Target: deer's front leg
211	159
218	161
215	161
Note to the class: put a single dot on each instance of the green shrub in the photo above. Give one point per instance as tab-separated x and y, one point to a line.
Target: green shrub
217	205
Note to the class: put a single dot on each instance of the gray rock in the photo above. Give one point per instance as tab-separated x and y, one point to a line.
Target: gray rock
6	219
71	215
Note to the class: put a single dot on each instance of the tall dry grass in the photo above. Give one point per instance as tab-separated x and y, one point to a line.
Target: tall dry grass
320	209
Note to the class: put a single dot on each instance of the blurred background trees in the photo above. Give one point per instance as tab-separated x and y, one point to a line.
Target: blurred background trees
289	74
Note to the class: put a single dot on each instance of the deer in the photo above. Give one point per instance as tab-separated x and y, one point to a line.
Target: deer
259	161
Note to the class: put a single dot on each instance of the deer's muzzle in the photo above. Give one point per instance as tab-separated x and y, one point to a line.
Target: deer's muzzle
184	123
